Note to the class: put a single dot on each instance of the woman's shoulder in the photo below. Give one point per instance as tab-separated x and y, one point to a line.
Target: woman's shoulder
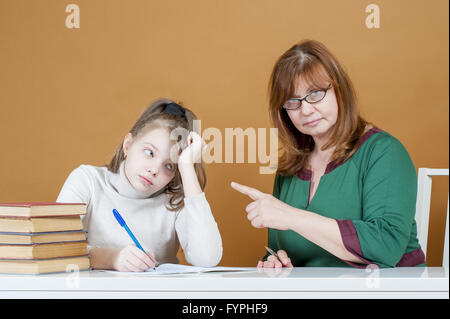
376	140
381	149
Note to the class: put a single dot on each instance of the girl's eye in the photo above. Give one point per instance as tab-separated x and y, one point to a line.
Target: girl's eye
148	152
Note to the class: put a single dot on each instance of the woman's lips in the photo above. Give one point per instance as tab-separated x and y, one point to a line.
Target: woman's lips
312	123
146	180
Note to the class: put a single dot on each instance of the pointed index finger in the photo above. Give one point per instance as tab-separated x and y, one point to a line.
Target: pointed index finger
253	193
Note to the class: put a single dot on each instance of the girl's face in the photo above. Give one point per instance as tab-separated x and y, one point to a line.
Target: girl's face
314	119
147	164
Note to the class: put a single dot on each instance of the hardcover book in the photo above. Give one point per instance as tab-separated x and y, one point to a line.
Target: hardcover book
41	209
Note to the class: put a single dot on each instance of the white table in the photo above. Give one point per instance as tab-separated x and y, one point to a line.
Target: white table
429	282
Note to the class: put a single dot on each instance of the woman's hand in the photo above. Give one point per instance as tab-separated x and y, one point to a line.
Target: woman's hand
279	261
275	272
265	210
193	152
132	258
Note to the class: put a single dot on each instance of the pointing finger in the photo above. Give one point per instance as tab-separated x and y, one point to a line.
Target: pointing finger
253	193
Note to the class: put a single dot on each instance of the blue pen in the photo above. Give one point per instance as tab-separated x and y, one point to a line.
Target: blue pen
122	223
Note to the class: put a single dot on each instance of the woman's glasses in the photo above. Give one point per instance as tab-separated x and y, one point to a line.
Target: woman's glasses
311	98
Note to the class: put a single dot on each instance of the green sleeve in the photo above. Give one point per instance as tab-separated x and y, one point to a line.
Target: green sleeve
389	199
272	233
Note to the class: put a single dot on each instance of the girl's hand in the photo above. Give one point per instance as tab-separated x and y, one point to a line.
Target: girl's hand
132	258
193	152
190	155
276	262
266	210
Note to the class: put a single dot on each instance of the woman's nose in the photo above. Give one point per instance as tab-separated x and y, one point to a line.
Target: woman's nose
306	108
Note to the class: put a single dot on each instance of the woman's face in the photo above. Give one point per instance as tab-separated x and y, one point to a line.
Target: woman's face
318	118
147	164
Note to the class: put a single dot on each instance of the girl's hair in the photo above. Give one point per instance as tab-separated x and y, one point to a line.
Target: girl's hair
310	61
154	117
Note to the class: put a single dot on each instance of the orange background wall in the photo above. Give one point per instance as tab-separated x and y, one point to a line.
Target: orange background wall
68	96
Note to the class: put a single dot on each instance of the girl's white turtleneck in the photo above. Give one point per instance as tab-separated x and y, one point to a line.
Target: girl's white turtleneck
158	230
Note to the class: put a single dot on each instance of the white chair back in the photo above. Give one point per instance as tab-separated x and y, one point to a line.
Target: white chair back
423	209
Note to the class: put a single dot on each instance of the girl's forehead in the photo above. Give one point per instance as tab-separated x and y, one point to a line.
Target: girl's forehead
158	137
155	132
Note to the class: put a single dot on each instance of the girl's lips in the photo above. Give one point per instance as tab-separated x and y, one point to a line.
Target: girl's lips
146	180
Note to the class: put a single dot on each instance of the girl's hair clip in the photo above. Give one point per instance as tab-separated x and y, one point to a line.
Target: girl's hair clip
175	109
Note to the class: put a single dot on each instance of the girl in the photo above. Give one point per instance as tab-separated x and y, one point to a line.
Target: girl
158	192
345	191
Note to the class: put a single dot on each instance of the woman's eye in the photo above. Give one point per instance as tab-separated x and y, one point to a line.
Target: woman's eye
148	152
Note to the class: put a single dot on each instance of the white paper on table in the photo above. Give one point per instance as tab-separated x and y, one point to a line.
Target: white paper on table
165	269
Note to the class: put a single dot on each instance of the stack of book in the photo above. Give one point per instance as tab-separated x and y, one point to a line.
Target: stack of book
42	237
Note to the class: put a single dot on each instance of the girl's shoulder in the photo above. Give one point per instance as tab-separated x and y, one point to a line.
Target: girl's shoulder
91	172
92	169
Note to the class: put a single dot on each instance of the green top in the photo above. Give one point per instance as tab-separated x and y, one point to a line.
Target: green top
372	196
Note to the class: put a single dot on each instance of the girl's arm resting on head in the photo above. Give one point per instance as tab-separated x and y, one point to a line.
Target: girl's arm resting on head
198	233
195	225
189	178
190	155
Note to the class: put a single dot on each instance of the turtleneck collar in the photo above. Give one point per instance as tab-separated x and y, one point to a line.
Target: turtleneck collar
122	185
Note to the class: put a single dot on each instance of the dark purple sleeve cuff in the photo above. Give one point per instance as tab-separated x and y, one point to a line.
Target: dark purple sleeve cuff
351	242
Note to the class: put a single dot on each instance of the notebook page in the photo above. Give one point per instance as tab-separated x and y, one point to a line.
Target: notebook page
165	269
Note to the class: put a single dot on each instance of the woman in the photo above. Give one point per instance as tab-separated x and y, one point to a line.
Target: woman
345	191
